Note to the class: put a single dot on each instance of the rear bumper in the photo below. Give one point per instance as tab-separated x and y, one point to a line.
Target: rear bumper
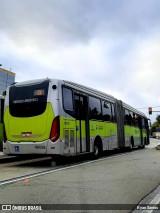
40	148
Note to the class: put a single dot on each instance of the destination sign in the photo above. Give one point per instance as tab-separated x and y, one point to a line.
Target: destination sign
25	101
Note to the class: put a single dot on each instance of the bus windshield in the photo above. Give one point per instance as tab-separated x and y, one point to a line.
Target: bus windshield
28	101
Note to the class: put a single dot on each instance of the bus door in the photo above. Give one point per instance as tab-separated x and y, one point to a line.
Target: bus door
82	124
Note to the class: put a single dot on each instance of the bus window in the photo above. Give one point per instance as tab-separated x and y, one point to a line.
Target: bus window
139	122
136	120
1	110
130	118
80	107
28	101
143	123
106	108
67	99
95	108
126	117
113	113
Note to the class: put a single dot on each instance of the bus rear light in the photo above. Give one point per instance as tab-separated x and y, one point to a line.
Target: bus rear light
4	135
55	130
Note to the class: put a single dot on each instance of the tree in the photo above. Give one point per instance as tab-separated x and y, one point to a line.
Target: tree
156	124
158	119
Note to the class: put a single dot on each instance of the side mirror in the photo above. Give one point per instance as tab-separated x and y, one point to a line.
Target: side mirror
106	105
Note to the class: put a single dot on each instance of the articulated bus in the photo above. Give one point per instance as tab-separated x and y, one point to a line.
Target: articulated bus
61	118
1	119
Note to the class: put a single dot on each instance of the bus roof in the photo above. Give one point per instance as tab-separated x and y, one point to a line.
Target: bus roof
84	89
90	91
71	84
27	83
126	106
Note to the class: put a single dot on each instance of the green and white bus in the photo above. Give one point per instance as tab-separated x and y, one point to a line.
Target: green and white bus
57	117
1	120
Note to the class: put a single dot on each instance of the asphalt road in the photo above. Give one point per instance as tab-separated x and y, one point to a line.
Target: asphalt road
125	178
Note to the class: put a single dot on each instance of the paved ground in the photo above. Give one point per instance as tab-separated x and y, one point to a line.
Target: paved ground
117	179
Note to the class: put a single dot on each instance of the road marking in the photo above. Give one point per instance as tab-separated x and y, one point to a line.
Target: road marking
13	180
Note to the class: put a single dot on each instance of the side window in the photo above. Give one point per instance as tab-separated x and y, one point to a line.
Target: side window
136	120
140	122
95	108
67	99
130	118
113	113
126	117
80	107
106	108
143	123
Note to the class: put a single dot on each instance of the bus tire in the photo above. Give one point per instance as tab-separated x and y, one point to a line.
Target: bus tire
97	149
143	146
53	163
131	144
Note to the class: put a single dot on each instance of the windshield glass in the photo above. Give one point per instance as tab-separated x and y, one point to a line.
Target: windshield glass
28	101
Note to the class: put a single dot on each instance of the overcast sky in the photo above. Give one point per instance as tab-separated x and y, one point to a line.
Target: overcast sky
110	45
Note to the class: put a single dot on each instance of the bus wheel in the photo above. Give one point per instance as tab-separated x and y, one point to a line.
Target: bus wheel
53	163
143	146
97	149
145	142
131	144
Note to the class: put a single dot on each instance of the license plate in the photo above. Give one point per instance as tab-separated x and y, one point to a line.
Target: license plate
26	134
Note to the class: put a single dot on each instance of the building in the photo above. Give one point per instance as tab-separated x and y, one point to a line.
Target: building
6	79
